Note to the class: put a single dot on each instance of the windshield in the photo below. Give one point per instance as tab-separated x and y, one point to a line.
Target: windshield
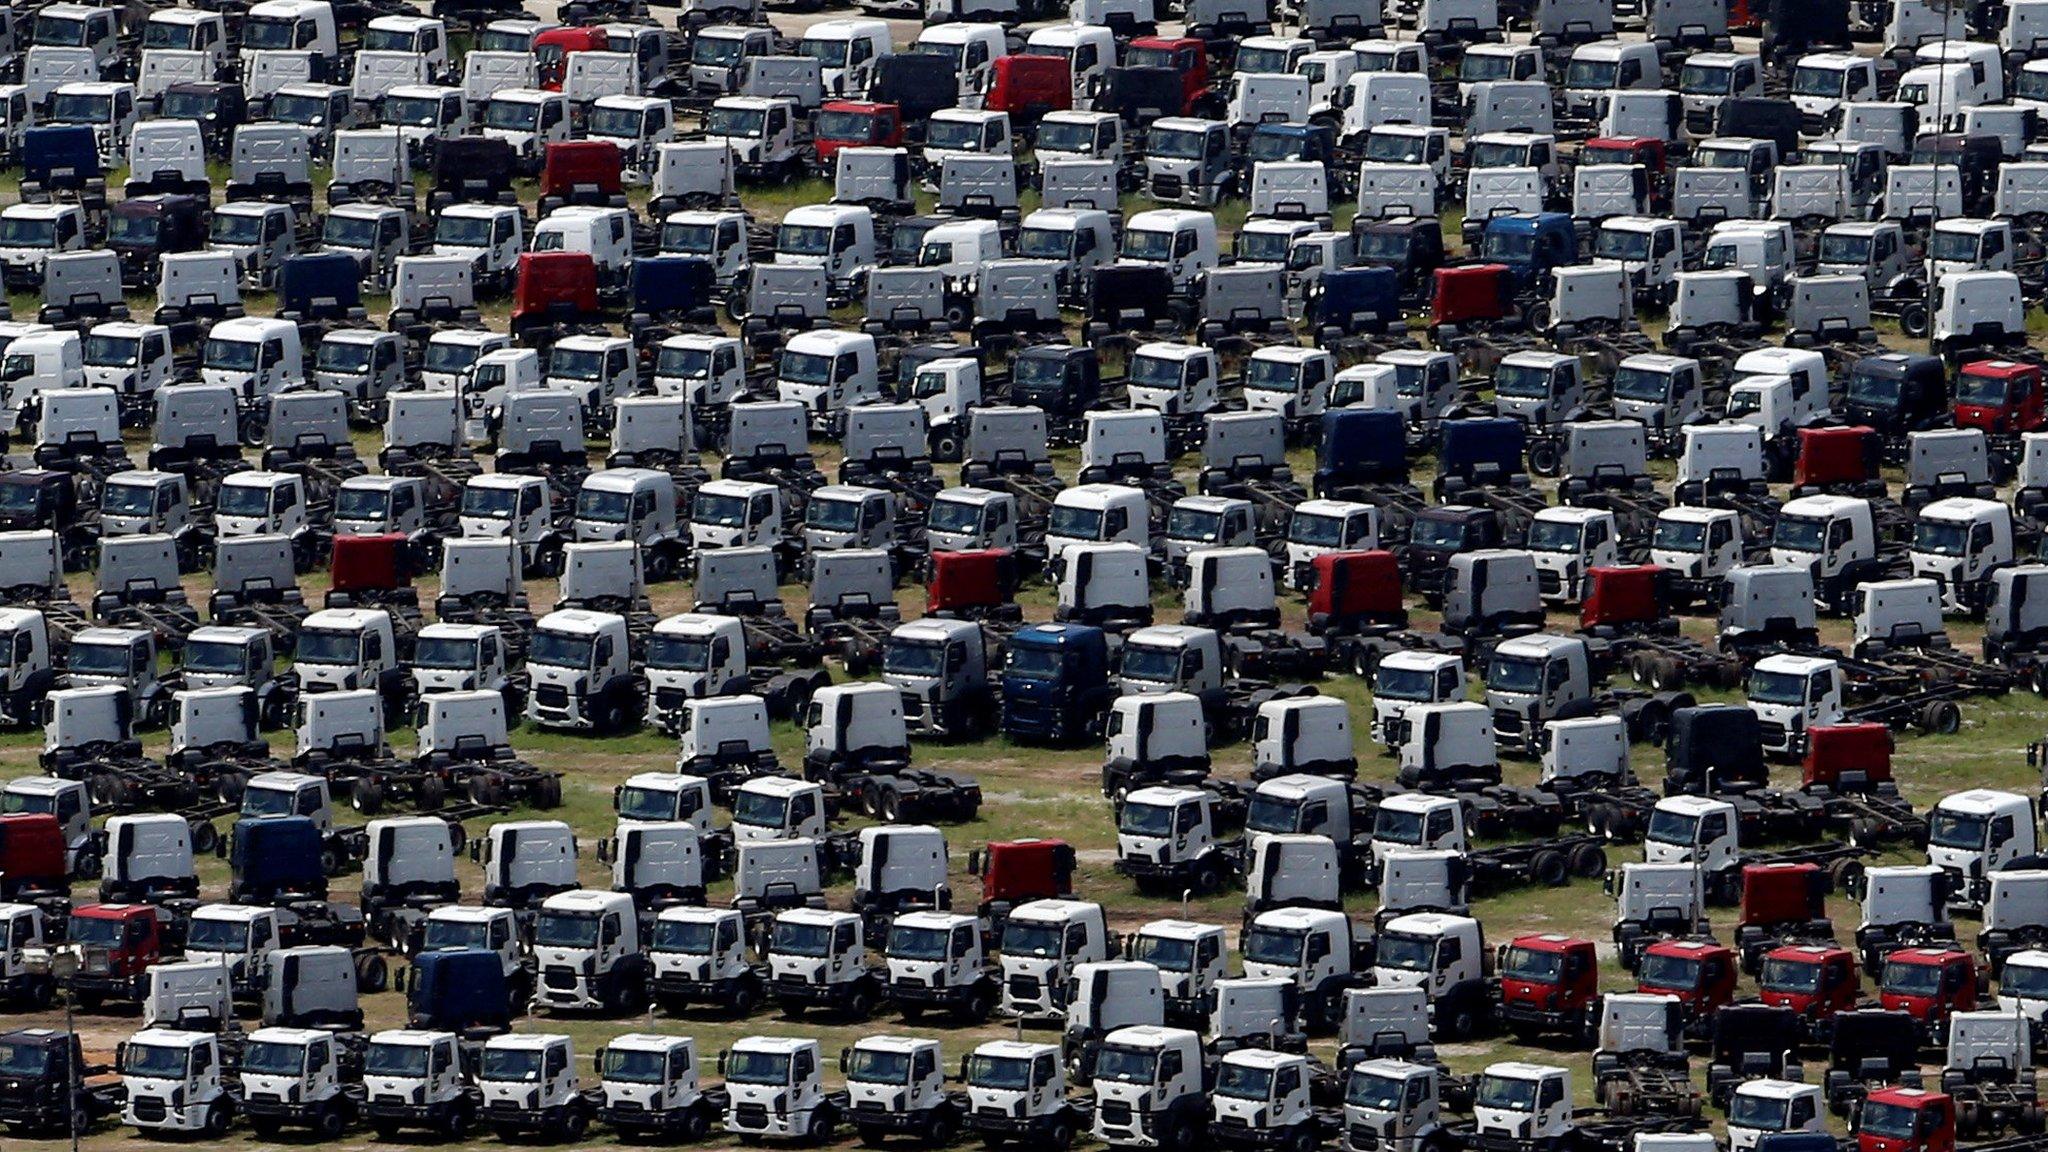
447	652
1267	375
463	232
23	232
1408	953
1148	244
2029	980
1194	524
1499	154
413	111
802	939
1508	247
1808	80
805	368
1031	938
828	53
1272	814
1523	380
686	936
327	646
1895	1121
1370	1092
1164	952
350	232
1669	827
1785	974
235	228
1911	979
720	50
845	126
210	934
97	659
488	503
1477	67
1615	244
1506	1094
272	1058
1393	148
954	134
1941	538
177	105
1062	136
1397	826
803	240
1005	1073
406	1061
1514	674
872	1066
954	516
744	1066
1150	662
679	653
294	109
1146	819
1955	247
1704	79
760	809
1867	388
213	656
1799	533
1590	74
1679	535
1244	1082
604	507
1044	243
1263	60
833	515
631	1066
445	934
112	351
1839	248
79	108
1075	522
1553	536
1128	1065
1263	245
1033	663
683	362
1174	144
1316	530
1533	966
233	355
1641	384
718	510
1947	828
343	356
566	929
913	658
1397	683
1276	946
98	931
1973	388
514	1064
1660	971
918	943
515	116
560	650
153	1061
1769	687
243	500
1759	1113
134	230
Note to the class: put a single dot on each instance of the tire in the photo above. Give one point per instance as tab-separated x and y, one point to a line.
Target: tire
575	1124
388	1133
1207	878
1550	869
870	1136
860	1004
229	787
1940	717
743	1001
695	1125
433	793
1544	458
330	1125
1462	1023
1588	861
455	1125
547	792
1060	1134
264	1127
373	975
219	1117
367	797
940	1130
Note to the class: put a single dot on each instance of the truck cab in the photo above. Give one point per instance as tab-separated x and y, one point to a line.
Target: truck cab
1568	544
1043	941
775	1087
1522	1106
174	1081
1766	1107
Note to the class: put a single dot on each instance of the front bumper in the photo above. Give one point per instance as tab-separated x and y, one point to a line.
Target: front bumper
556	707
273	1108
1234	1132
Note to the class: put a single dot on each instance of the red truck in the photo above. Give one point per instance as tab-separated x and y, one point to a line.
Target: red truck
1187	57
1906	1120
552	49
1931	984
1647	151
1549	983
1353	591
975	585
1701	973
2003	397
33	864
1014	872
1027	87
119	942
854	124
1781	903
1817	981
1839	462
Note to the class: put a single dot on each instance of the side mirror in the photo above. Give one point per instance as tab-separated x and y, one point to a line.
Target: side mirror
963	1067
721	1062
845	1058
476	850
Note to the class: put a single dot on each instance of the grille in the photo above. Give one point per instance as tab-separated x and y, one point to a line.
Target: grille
1117	1113
1024	987
1551	583
561	977
150	1108
1506	721
1166	187
551	695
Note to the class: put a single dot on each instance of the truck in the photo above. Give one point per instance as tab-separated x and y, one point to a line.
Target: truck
293	1078
775	1088
416	1079
529	1085
896	1084
1017	1091
650	1088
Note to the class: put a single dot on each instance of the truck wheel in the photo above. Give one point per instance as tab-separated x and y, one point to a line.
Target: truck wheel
1588	861
219	1115
330	1124
1060	1134
743	1001
547	792
373	975
1207	878
1306	1140
433	792
1550	869
1941	717
1182	1133
229	786
367	797
860	1003
871	1136
264	1127
575	1124
824	1122
980	1006
1462	1023
388	1133
696	1123
941	1127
